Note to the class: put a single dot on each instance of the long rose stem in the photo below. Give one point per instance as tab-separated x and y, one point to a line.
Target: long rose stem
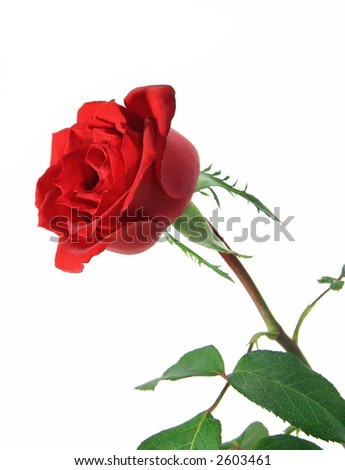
274	328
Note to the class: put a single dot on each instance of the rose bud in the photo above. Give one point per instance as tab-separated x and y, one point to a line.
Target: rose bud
117	178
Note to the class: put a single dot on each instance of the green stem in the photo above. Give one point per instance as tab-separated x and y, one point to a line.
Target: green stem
304	314
310	307
220	396
291	429
275	330
254	339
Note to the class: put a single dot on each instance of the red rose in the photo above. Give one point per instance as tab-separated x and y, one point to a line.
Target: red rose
117	178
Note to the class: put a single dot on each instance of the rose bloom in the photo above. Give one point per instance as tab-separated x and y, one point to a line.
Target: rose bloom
117	178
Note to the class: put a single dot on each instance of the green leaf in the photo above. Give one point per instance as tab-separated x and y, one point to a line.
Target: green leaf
281	383
202	362
285	442
337	285
195	257
326	280
203	432
215	197
343	271
249	438
206	180
193	225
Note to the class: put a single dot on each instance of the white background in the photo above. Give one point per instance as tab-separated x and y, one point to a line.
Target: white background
260	92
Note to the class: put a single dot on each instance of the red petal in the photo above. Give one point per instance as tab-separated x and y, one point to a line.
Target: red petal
53	216
71	256
155	202
131	149
157	102
180	167
148	157
72	177
135	238
96	156
77	139
46	183
88	110
102	136
112	112
117	166
109	209
59	144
